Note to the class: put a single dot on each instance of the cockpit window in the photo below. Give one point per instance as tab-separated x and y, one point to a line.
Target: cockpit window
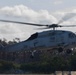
34	36
71	35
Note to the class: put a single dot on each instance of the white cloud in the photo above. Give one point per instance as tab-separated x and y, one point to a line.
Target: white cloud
57	2
10	31
25	12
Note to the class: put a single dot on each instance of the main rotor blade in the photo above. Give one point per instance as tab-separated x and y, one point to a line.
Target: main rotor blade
22	23
41	28
66	17
69	26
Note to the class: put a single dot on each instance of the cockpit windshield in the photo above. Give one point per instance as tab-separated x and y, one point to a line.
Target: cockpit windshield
72	35
32	37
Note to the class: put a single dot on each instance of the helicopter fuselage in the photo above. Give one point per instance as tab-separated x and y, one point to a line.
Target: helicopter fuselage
46	40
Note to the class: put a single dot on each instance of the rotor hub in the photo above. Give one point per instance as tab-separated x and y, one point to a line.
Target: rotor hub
54	26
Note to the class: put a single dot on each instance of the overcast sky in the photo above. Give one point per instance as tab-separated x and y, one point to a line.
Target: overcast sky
35	11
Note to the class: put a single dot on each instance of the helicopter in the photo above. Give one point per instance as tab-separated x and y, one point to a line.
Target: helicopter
46	40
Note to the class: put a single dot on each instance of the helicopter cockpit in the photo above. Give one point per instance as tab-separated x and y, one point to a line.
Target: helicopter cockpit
71	35
32	37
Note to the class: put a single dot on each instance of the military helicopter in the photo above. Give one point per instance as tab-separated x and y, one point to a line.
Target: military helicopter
45	40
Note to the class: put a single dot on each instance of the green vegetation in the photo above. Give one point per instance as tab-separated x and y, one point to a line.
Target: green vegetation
4	42
5	66
36	67
46	65
51	64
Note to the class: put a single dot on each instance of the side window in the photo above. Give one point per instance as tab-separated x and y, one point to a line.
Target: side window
71	35
34	36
